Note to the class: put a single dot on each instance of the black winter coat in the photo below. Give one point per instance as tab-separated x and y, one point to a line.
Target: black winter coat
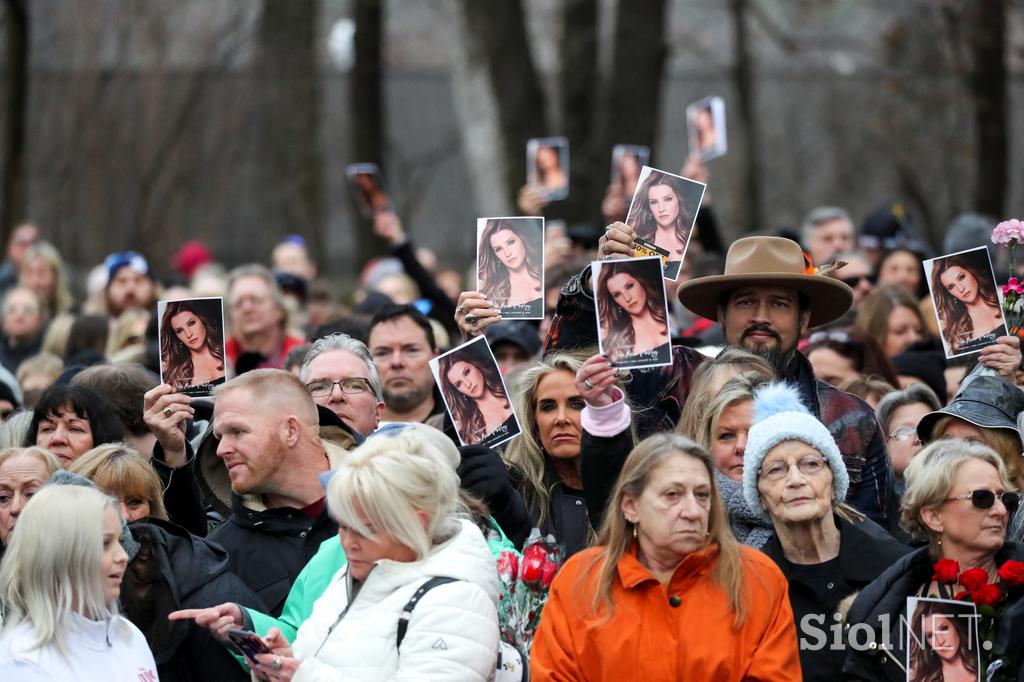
866	550
885	600
175	570
268	548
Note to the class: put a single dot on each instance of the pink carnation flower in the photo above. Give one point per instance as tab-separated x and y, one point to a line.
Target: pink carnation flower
1007	231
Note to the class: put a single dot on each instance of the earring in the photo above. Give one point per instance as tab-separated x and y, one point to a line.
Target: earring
634	531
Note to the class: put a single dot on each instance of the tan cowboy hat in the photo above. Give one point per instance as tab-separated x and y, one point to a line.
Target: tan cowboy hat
768	261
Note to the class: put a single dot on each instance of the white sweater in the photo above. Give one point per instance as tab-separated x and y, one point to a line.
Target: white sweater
452	635
99	651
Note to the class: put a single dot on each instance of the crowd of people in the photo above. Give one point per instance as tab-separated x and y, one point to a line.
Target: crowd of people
764	507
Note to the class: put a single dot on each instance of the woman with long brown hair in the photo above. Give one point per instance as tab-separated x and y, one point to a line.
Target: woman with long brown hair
940	649
663	217
631	308
191	345
511	262
668	593
965	298
476	397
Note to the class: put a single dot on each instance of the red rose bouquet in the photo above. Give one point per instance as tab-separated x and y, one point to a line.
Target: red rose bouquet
990	598
525	582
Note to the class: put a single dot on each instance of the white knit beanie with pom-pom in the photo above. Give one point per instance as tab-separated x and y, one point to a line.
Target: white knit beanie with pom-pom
780	416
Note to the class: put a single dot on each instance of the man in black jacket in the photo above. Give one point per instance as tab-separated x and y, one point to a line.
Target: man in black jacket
267	439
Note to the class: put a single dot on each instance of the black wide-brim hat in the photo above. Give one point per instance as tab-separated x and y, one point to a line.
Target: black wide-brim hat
985	401
769	262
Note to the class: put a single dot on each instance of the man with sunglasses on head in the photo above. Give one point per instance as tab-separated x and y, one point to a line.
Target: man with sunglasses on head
340	375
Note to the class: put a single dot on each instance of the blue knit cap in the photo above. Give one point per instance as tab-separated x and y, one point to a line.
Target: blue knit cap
780	416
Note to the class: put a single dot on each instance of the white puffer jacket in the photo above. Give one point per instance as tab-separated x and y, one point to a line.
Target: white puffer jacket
452	635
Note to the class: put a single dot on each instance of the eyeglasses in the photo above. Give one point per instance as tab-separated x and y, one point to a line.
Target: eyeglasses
835	336
808	466
904	434
984	499
349	385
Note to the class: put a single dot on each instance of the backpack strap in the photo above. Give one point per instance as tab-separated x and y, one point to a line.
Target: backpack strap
403	620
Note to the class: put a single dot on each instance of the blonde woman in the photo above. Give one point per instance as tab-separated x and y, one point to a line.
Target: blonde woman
59	583
43	271
545	456
668	592
121	472
396	502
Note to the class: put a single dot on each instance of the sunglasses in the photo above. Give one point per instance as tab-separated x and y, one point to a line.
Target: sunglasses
856	280
984	499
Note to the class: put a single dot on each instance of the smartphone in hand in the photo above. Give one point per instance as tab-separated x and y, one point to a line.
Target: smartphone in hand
249	643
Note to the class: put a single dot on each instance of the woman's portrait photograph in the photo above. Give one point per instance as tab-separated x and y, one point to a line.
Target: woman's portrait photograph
510	265
963	292
191	336
547	166
368	185
663	211
475	394
627	160
942	641
632	312
705	122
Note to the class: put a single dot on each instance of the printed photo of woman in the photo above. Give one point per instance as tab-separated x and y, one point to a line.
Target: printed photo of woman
943	644
627	160
632	313
547	163
705	121
475	394
963	291
663	211
192	344
368	183
510	265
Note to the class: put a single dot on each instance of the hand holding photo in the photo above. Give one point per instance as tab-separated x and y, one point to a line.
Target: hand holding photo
632	312
942	640
367	183
475	394
510	265
705	122
963	293
547	166
191	337
627	160
662	213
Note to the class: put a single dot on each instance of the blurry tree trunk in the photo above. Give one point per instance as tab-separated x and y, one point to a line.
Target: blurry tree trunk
12	203
986	30
743	70
495	34
632	99
290	90
578	74
366	92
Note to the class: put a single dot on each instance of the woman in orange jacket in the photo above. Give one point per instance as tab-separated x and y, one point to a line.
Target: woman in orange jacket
669	594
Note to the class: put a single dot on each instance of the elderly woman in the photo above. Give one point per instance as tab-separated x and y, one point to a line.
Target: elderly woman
899	414
960	500
668	593
23	471
396	504
608	438
59	584
794	475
